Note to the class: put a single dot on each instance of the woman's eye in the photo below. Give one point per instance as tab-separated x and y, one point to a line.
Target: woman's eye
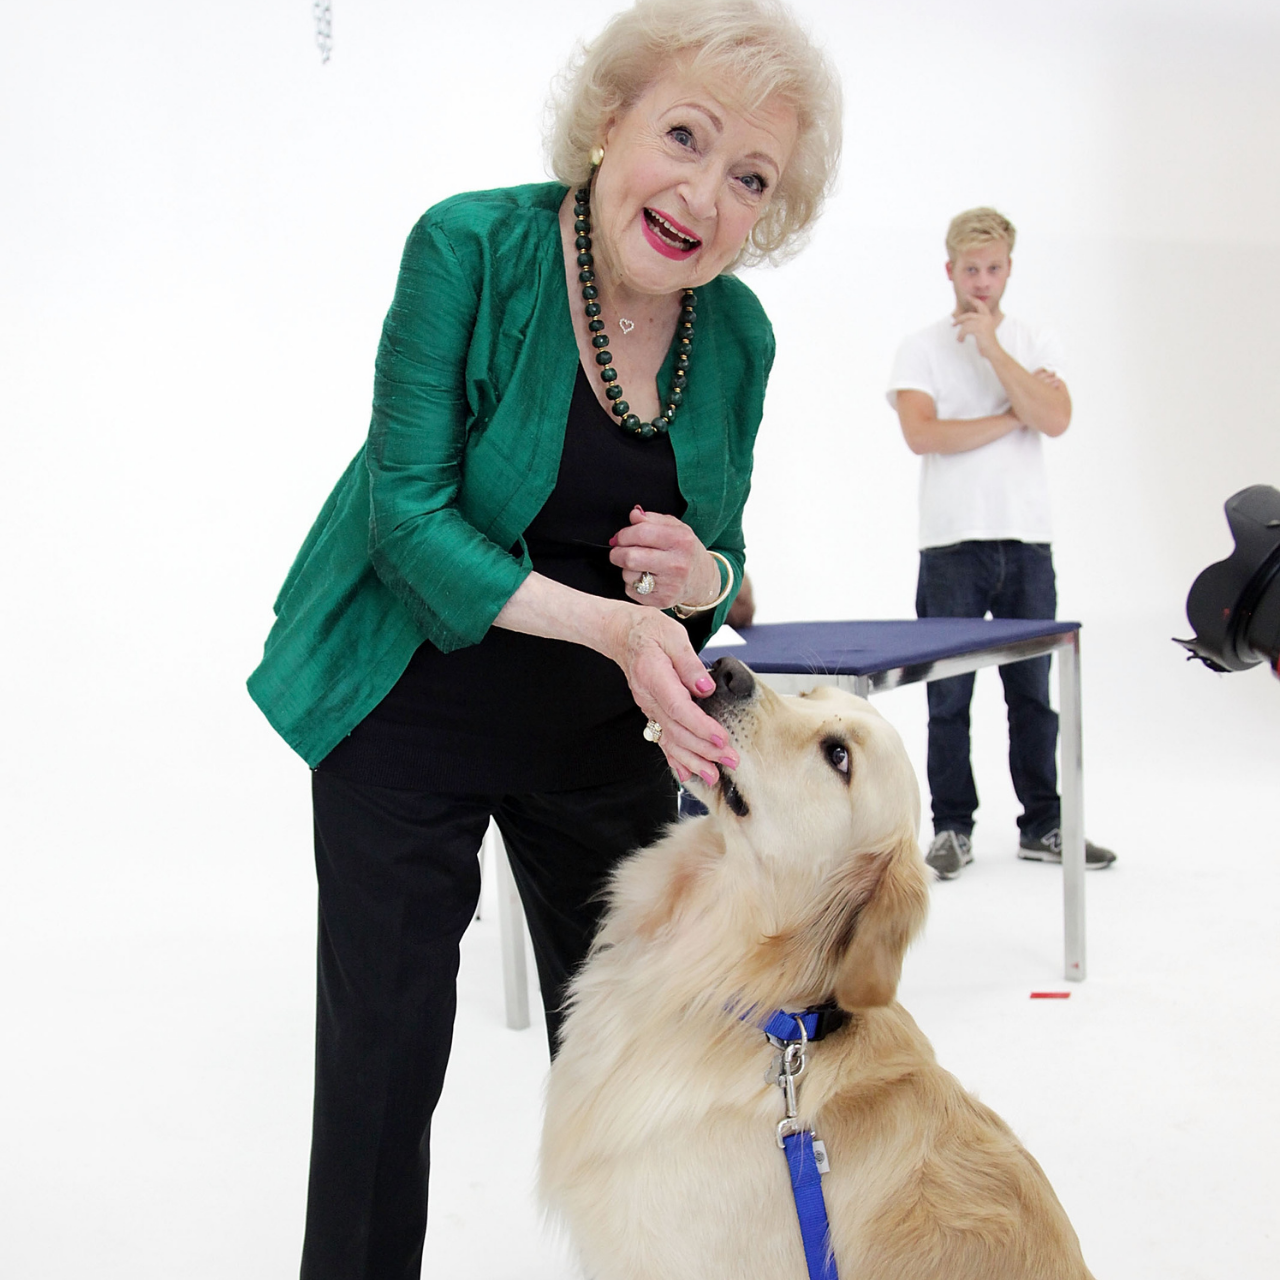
681	135
838	754
754	183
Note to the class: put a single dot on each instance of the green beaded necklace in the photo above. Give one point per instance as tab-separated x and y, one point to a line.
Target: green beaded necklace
600	340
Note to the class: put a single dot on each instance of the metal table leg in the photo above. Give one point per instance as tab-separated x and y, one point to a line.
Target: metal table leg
515	977
1072	789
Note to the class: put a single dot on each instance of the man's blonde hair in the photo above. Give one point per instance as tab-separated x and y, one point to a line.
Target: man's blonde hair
978	226
755	46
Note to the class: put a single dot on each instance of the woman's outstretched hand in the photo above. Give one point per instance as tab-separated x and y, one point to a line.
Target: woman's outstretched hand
653	650
665	674
683	570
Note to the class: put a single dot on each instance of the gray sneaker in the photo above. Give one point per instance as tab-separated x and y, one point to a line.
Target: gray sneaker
1048	848
948	853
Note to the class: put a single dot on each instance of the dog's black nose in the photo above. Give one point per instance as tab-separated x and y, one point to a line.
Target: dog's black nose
734	681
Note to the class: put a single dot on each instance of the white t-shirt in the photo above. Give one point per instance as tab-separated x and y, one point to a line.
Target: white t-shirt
999	490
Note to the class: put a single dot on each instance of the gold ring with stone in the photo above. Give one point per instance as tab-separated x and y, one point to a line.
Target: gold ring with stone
653	732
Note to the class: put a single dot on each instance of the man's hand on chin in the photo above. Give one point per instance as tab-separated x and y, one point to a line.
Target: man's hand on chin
977	321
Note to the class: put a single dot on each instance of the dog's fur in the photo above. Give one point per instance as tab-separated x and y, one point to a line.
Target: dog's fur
804	883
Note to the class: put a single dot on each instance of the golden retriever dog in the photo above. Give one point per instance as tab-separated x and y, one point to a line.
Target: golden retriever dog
803	885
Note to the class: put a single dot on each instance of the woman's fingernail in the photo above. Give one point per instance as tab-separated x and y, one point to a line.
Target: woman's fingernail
708	776
718	741
638	508
730	761
613	542
682	773
705	685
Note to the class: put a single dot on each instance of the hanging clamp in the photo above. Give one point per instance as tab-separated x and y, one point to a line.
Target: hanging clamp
787	1067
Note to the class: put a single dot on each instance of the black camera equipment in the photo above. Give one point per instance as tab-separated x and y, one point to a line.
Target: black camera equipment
1234	605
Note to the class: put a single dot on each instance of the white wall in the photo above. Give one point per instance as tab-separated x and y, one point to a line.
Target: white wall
201	225
1138	156
199	232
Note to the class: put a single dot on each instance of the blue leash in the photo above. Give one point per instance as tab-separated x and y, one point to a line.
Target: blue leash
806	1157
811	1209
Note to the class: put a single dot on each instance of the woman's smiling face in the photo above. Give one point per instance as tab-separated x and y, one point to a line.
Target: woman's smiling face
683	180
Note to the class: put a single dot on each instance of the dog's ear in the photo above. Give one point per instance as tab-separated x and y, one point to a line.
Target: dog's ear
881	929
852	942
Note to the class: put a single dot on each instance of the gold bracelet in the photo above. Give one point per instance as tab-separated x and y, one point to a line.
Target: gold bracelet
688	610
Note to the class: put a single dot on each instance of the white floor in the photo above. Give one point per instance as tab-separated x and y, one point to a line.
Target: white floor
157	941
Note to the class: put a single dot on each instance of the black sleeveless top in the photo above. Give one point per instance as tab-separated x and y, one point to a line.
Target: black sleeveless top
522	713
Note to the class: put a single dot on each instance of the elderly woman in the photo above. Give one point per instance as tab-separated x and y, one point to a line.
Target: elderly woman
497	611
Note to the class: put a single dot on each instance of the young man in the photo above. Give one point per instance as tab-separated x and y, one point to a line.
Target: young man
976	394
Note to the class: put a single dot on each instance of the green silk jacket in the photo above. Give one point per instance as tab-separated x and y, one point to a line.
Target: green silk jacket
422	539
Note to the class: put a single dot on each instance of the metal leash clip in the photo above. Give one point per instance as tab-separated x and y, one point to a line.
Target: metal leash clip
787	1067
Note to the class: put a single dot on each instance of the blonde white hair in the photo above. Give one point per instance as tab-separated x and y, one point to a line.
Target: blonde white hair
755	46
978	226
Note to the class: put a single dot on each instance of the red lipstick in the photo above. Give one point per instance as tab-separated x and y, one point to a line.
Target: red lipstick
662	237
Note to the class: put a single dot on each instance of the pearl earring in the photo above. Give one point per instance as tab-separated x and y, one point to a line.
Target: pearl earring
597	154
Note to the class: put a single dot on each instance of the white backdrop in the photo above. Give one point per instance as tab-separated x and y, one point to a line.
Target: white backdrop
201	226
203	223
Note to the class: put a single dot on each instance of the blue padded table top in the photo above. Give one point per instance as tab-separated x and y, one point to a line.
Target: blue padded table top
865	648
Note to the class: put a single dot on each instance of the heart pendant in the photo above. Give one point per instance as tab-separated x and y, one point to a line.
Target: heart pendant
626	325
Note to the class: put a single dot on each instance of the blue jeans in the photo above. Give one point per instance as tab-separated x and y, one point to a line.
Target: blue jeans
1010	580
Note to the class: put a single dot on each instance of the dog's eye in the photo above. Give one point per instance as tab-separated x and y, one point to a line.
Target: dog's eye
838	754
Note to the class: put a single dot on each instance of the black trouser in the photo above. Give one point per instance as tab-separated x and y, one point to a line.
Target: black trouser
399	881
